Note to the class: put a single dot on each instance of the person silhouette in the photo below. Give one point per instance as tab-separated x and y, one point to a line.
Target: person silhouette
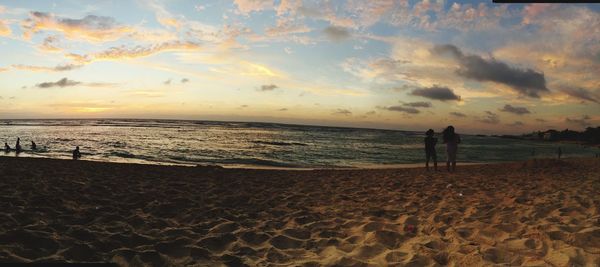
430	153
559	152
451	139
18	145
76	153
33	146
6	147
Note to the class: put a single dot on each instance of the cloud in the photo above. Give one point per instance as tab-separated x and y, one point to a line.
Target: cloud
337	34
531	12
49	44
408	110
122	52
384	70
65	67
540	120
247	6
64	82
458	114
436	92
268	87
4	29
344	112
524	81
515	110
288	6
516	124
167	82
185	80
418	104
581	94
99	84
285	27
327	12
583	121
91	28
163	16
489	118
282	109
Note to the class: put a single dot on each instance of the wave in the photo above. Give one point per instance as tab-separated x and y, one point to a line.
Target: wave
274	143
233	162
256	162
122	154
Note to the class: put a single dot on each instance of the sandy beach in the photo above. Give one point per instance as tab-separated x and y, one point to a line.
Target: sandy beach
542	213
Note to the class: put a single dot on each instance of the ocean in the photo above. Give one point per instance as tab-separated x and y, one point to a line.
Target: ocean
252	144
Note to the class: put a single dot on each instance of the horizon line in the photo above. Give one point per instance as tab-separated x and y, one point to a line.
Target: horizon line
264	122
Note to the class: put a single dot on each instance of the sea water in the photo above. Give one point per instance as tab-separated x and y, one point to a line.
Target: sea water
250	144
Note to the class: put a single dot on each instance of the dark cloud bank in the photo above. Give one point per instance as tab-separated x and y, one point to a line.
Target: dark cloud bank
515	110
268	87
436	92
64	82
524	81
337	34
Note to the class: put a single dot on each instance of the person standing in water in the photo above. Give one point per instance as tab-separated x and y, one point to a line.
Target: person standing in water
559	152
451	139
6	147
33	146
430	143
76	153
18	145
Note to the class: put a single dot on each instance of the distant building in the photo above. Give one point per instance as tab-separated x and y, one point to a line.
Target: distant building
551	135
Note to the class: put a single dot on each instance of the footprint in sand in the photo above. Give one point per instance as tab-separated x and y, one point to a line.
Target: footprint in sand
285	242
298	233
254	238
217	244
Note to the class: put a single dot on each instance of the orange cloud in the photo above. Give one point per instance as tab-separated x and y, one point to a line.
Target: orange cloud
91	28
123	52
49	44
64	67
247	6
4	29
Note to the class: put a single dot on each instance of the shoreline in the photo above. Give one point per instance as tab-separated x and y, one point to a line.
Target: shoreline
441	164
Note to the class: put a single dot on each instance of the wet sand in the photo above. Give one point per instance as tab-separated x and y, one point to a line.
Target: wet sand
536	213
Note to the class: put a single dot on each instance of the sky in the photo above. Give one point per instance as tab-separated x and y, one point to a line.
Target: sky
393	64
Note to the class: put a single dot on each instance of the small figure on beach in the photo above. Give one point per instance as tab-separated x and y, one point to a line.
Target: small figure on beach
33	146
18	145
451	139
6	147
76	153
430	143
559	152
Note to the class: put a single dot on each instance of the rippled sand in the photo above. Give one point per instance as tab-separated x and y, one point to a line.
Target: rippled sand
530	213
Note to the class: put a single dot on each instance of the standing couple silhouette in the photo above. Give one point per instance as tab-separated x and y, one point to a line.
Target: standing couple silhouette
451	139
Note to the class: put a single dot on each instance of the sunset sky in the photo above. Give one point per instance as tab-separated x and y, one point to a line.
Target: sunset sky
483	67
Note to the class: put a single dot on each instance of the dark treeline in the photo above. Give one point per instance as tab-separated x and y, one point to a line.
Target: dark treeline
591	135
